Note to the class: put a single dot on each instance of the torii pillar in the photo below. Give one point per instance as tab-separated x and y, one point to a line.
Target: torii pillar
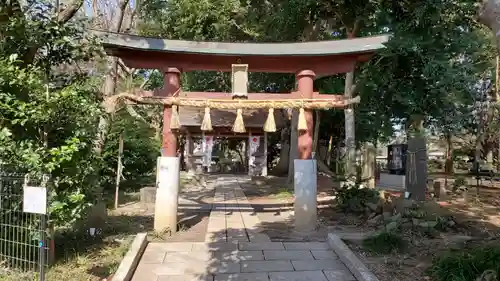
168	164
305	176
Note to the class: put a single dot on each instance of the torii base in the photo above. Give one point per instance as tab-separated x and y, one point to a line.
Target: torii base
167	194
305	206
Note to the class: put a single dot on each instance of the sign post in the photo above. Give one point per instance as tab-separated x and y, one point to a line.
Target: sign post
35	202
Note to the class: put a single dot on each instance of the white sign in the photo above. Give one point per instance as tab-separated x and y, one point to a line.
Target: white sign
254	145
35	200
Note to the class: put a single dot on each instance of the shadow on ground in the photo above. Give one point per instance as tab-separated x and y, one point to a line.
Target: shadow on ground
238	259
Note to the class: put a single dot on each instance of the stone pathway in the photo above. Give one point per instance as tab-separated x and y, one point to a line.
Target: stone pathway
235	250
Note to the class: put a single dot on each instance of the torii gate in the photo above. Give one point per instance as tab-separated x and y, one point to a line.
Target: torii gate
306	60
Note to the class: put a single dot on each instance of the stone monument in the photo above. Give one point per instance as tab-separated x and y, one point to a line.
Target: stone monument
416	168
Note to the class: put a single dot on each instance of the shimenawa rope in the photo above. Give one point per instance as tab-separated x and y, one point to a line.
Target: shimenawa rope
239	104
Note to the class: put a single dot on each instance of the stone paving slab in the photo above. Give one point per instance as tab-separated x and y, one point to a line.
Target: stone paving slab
306	246
339	275
184	278
319	265
242	277
186	257
260	246
324	255
297	276
215	246
266	266
235	249
287	255
238	256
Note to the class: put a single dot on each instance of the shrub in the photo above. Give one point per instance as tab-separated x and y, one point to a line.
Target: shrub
460	184
354	198
466	265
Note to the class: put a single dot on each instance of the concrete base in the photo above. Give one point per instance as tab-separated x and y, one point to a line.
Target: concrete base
305	206
131	259
351	261
397	182
167	193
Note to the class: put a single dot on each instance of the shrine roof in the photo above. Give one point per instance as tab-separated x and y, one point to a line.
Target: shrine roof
114	42
193	117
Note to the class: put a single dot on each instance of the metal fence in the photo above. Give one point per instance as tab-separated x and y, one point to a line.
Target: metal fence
23	244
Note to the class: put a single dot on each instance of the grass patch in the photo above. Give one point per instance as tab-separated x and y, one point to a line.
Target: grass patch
481	264
80	257
283	193
384	243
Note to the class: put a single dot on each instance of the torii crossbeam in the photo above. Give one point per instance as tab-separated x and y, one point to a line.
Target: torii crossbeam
306	60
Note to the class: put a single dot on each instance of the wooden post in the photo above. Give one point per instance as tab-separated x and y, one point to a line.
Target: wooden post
170	88
305	82
305	175
168	173
118	170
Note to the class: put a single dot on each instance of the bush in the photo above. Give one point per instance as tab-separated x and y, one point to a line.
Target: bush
460	184
435	165
466	265
356	199
384	243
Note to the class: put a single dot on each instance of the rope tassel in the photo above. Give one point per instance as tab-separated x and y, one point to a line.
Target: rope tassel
206	125
270	125
302	122
175	122
239	125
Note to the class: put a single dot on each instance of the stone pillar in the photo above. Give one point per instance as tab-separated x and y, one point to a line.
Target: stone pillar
305	174
369	164
167	169
416	168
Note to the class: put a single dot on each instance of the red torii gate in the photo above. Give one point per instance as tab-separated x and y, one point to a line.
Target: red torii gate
306	60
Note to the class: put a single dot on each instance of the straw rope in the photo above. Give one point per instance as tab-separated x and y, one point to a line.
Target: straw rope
177	100
240	104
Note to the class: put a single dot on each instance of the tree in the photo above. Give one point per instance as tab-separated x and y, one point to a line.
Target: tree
49	107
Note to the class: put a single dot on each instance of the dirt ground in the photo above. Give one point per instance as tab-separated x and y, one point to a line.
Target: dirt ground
478	224
477	217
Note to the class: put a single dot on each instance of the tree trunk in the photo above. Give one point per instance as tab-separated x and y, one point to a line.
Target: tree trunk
97	217
282	167
449	155
293	146
350	141
316	133
322	167
329	152
110	85
497	100
488	15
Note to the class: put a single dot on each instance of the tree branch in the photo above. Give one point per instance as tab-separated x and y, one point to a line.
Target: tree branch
63	17
129	71
355	29
69	12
